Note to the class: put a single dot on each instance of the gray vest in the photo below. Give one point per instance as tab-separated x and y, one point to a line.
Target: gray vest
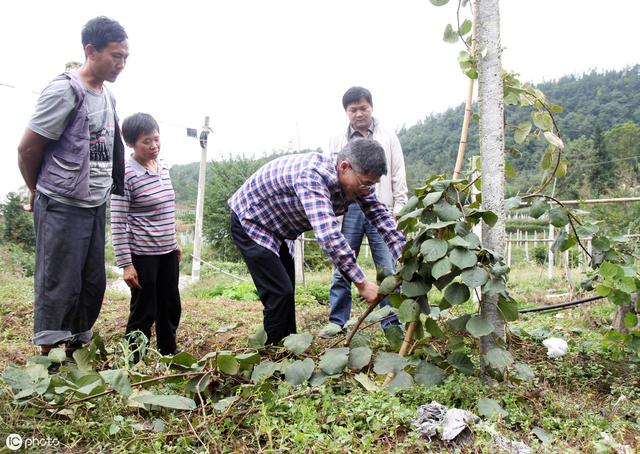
65	163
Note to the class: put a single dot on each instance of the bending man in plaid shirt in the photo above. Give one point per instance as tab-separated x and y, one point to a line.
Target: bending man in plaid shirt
297	193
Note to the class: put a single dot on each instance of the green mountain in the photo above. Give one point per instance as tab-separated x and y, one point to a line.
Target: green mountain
592	103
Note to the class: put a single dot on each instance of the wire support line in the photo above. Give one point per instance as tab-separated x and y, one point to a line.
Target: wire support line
220	270
561	306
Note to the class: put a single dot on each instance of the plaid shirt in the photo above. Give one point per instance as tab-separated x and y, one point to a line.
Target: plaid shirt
297	193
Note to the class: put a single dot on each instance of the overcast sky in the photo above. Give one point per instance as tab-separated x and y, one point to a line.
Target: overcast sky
271	74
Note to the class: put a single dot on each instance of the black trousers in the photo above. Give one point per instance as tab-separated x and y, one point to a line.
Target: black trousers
158	301
274	278
69	276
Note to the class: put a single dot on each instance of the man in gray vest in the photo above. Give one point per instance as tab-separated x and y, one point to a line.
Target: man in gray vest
71	157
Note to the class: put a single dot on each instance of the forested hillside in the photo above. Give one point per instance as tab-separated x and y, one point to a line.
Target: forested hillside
594	105
599	124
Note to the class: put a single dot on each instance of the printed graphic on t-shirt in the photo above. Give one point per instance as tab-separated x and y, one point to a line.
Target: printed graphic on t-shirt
99	144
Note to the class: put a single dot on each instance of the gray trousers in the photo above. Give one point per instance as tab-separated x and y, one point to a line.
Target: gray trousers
70	276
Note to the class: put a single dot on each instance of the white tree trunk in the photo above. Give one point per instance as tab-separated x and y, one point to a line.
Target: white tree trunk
491	110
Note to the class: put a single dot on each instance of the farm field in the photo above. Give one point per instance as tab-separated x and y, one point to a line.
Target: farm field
585	401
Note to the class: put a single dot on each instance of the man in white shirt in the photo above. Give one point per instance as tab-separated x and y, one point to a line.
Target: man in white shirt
391	191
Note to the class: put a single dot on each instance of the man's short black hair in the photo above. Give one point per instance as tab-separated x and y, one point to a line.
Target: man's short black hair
136	125
100	31
354	95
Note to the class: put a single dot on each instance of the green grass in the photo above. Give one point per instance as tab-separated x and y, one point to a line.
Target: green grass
572	398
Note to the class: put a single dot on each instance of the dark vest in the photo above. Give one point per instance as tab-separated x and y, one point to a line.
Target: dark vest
65	163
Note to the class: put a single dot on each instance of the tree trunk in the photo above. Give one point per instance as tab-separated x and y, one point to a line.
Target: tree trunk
622	311
491	110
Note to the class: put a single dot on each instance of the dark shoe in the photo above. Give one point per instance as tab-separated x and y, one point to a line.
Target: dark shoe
54	368
72	347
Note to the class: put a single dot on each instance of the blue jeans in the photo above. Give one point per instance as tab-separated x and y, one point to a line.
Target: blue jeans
354	226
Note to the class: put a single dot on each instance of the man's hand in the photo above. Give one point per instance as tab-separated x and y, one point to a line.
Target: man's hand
179	252
368	292
32	199
130	276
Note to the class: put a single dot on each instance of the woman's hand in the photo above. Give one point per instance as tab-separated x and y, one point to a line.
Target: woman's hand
130	276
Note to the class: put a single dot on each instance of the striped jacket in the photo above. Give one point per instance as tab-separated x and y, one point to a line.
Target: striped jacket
143	220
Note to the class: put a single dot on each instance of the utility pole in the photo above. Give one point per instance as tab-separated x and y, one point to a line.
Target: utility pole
197	237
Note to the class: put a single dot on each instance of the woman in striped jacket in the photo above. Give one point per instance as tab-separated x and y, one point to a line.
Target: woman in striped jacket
143	229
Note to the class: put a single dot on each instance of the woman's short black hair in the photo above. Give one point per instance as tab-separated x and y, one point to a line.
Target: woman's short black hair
136	125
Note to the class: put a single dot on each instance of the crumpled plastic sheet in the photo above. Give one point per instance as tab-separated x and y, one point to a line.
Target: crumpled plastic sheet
436	419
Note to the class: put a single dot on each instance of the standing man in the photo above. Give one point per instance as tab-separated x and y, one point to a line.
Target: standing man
297	193
71	157
391	191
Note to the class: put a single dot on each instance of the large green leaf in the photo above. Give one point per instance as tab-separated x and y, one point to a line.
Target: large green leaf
446	212
366	382
181	361
428	374
263	371
630	320
553	139
463	258
508	309
522	131
465	27
118	379
499	359
299	372
168	401
410	266
558	216
441	268
298	343
394	335
489	217
450	35
456	293
538	208
459	324
334	360
472	240
433	328
401	380
359	357
415	288
431	198
524	372
57	355
409	311
490	408
478	327
542	120
225	403
389	362
494	286
434	249
512	203
388	285
258	338
411	205
475	277
246	360
228	364
458	241
461	362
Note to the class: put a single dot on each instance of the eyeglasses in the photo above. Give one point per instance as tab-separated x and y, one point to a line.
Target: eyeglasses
363	185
